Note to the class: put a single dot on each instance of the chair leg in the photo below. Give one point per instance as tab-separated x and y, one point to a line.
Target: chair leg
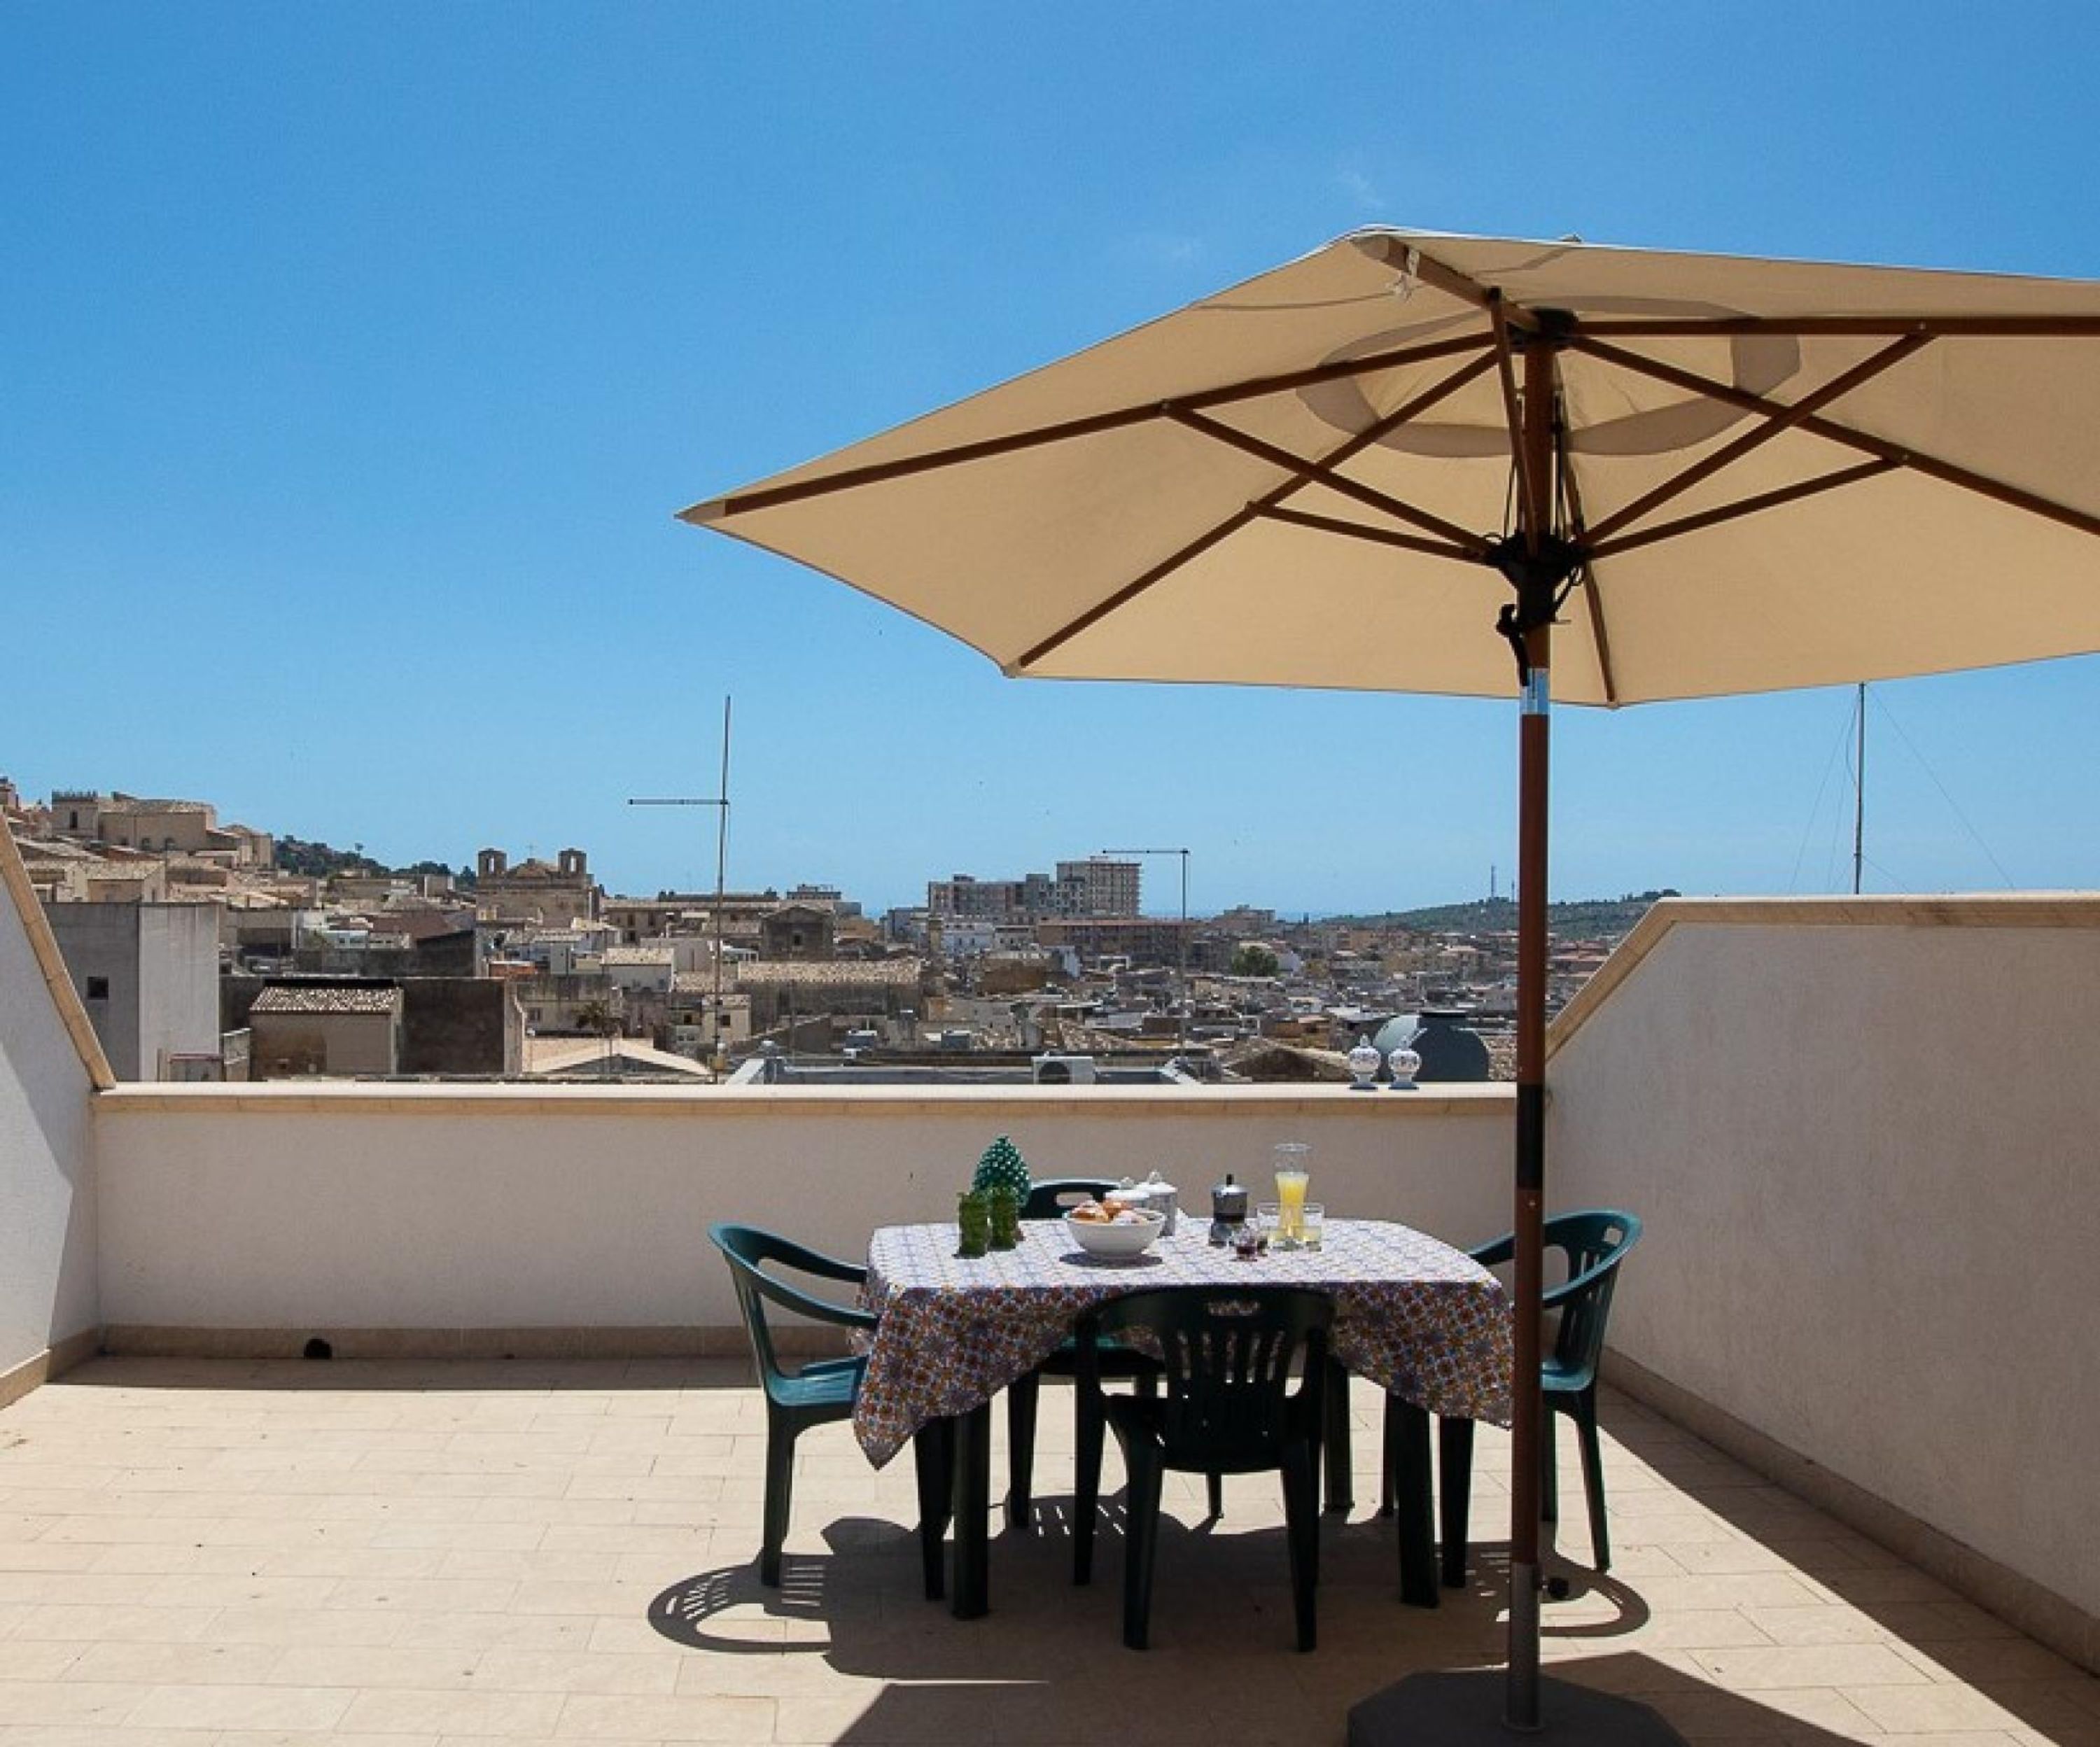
779	1493
933	1448
1389	1460
1217	1491
1549	1469
1407	1451
972	1466
1086	1484
1334	1407
1021	1396
1141	1541
1454	1494
1301	1518
1593	1477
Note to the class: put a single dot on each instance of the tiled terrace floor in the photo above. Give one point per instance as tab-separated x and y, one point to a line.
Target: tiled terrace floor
403	1555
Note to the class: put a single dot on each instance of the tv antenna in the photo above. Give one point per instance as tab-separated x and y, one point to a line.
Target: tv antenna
716	1055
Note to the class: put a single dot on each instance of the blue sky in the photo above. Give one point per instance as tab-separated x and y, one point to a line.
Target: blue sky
353	360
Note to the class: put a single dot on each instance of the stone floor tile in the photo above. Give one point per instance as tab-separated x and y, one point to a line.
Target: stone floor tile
241	1707
1751	1669
601	1716
409	1710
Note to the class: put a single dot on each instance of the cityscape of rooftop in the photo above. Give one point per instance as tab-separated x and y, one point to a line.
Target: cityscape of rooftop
397	340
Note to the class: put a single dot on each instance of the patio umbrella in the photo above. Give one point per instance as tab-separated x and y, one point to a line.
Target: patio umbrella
1412	461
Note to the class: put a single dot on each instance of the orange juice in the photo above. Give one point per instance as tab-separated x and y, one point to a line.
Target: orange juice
1292	1178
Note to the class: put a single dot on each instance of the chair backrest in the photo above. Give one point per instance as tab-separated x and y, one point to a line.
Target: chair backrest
1058	1196
1595	1243
1230	1353
748	1250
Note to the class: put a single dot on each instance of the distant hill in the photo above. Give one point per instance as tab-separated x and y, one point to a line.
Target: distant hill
297	855
1578	919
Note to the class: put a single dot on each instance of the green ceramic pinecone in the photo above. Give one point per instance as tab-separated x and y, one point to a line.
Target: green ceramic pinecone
1002	1167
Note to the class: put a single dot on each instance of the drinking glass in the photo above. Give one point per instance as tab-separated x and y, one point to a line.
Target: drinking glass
1313	1224
1291	1177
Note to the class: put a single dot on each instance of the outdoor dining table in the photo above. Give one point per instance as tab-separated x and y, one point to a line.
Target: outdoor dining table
1421	1320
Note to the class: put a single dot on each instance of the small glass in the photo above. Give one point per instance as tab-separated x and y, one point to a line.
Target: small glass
972	1225
1002	1208
1249	1239
1311	1229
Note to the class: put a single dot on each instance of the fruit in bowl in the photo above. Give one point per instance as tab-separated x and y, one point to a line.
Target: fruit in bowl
1113	1231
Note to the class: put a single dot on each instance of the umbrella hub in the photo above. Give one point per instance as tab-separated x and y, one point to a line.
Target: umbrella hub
1542	575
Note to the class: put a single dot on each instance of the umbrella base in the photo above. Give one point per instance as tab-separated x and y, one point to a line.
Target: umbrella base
1458	1710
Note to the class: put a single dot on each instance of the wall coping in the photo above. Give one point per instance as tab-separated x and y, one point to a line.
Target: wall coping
343	1097
1981	910
43	944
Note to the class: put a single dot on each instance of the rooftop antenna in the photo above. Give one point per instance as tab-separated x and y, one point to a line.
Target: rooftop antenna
1860	794
720	802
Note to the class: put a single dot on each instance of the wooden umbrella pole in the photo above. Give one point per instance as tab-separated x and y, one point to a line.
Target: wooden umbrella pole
1521	1704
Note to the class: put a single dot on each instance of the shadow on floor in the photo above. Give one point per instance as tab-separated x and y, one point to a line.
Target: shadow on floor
1047	1667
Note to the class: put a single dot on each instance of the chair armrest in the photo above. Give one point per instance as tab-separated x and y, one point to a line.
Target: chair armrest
808	1305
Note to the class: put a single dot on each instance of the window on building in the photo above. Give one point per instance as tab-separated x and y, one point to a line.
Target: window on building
98	988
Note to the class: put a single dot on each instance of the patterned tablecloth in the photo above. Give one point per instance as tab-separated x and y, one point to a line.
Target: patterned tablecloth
1414	1315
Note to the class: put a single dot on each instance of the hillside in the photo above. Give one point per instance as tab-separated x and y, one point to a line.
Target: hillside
1577	919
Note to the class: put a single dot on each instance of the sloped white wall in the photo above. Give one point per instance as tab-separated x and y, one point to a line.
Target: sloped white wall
47	1246
1868	1157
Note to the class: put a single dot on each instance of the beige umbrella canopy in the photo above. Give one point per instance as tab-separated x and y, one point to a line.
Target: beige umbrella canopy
1407	458
1789	475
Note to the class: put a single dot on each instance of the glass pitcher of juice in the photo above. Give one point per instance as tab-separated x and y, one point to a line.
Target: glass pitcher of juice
1292	1178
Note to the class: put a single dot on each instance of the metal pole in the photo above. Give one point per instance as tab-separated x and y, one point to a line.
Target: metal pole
1184	949
1521	1699
1860	794
719	1056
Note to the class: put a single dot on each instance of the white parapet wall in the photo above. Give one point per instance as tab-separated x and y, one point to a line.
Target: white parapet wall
384	1218
1865	1136
50	1063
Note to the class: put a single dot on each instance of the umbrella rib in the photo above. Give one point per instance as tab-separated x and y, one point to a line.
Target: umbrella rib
1452	283
1303	475
1931	466
1931	326
1322	473
1785	494
875	473
1775	426
1592	592
1506	365
1383	536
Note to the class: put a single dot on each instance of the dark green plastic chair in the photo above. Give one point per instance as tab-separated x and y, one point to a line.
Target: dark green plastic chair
1594	1243
1050	1200
822	1391
1226	1406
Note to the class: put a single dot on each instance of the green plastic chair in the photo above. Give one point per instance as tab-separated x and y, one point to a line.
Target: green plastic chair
1594	1243
1226	1406
1049	1200
822	1391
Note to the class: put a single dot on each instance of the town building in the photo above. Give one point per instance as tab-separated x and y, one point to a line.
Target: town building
147	974
1099	886
302	1028
548	893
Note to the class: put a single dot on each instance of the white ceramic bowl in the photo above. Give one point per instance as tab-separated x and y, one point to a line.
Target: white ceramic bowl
1106	1240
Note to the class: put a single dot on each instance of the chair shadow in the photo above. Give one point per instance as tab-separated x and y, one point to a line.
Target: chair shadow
1047	1665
